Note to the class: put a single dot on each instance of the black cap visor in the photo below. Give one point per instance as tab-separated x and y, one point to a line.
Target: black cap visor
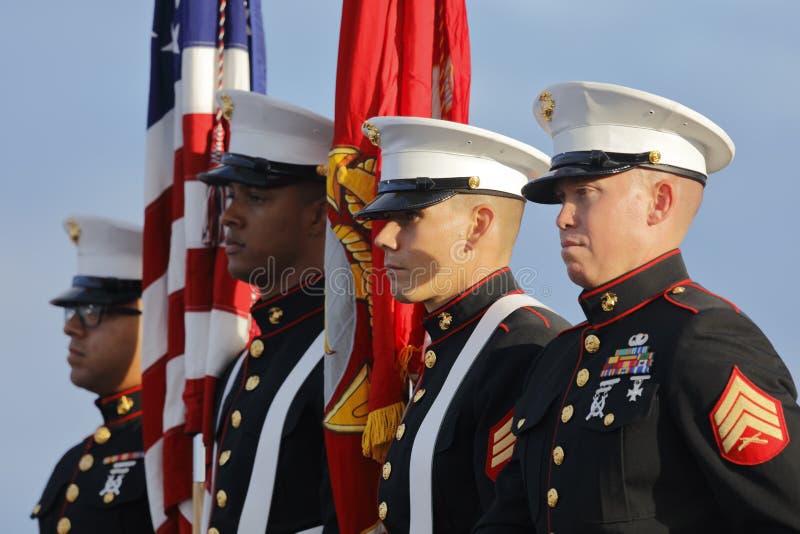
386	203
592	164
97	290
258	172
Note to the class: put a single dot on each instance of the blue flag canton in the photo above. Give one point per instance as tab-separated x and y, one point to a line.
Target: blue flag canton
178	25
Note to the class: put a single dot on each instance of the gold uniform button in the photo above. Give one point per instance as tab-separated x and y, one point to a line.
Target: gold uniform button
678	290
520	423
72	492
608	301
383	509
558	455
108	498
252	382
256	348
552	497
418	395
566	413
387	470
591	343
582	378
224	457
213	530
101	435
64	525
236	419
608	420
37	508
400	431
430	359
222	498
86	463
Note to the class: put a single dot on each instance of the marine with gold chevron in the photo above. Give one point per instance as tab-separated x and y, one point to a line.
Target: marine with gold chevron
450	198
667	410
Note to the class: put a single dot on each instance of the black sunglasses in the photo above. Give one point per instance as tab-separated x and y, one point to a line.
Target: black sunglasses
90	315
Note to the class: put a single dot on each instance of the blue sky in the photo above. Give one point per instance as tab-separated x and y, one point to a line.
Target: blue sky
74	94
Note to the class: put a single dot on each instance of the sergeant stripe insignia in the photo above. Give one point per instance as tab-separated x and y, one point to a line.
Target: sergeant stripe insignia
501	446
748	423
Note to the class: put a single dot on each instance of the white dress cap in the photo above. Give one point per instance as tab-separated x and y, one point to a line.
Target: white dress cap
265	127
585	116
106	248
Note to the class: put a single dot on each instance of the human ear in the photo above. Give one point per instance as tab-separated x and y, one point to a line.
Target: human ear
317	217
663	202
482	219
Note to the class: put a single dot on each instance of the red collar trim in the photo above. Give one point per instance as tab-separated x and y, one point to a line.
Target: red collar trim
465	293
630	274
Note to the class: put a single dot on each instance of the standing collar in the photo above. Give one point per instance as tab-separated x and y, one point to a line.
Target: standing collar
469	304
622	294
121	406
290	306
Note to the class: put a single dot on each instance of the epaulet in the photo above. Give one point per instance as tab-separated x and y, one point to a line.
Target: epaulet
695	298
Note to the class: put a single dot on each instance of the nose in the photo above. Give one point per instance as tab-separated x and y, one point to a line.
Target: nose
230	216
566	216
73	327
387	237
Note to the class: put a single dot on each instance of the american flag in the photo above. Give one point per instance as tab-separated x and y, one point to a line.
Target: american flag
195	316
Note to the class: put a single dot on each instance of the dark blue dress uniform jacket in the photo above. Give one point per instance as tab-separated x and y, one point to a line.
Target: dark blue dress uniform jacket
302	498
463	470
98	486
668	411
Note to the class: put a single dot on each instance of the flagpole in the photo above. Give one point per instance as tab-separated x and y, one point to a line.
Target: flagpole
198	482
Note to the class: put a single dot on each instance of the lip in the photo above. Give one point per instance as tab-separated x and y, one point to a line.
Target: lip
566	243
232	247
74	356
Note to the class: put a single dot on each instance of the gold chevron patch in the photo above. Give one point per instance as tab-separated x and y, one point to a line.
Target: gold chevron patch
748	423
501	446
349	414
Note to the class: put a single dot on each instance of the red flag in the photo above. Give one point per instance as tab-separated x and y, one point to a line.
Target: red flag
195	316
396	57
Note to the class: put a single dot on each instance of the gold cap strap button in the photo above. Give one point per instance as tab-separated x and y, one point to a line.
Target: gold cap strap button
72	492
102	435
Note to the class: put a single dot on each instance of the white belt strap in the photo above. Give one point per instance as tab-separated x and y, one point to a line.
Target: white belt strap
258	501
421	469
